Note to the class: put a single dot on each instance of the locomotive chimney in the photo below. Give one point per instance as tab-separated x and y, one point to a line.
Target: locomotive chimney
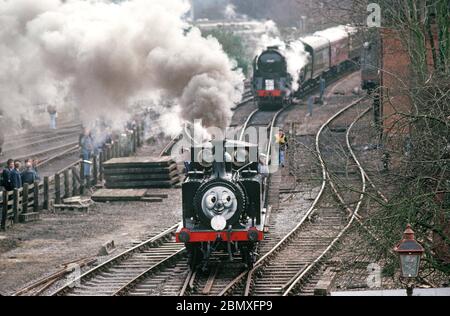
219	168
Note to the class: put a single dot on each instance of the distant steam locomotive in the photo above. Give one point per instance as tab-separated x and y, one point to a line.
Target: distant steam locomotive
222	202
272	83
328	56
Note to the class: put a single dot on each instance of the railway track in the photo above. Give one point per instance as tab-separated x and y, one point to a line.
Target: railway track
173	277
37	133
297	256
220	275
347	185
45	146
118	275
221	271
158	266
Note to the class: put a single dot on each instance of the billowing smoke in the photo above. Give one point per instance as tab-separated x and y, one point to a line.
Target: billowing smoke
230	12
336	33
103	55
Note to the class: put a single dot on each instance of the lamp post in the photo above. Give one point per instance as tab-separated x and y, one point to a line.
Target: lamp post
409	251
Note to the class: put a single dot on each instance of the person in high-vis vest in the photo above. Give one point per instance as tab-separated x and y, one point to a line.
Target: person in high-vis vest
282	142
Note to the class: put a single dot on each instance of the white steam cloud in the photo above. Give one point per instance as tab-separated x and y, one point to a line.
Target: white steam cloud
336	33
230	12
103	55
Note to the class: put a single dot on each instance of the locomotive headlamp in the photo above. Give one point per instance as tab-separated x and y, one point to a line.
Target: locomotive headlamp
252	234
241	157
218	223
205	158
184	235
228	157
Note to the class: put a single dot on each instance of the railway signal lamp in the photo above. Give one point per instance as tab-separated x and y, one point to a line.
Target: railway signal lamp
410	252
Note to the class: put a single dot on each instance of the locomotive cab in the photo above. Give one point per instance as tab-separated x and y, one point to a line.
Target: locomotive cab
222	202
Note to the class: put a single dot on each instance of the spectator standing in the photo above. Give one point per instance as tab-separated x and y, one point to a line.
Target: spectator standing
186	160
29	175
35	166
16	178
310	106
322	88
87	150
6	175
2	141
263	169
281	140
2	134
53	116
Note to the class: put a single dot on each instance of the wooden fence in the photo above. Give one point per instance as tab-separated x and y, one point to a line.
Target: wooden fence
24	204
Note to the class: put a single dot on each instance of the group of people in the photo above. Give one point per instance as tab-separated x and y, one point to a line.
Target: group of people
14	176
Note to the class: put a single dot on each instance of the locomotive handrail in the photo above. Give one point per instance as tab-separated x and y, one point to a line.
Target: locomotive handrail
246	124
272	126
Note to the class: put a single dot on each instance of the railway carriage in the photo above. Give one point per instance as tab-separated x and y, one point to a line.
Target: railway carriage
222	202
319	49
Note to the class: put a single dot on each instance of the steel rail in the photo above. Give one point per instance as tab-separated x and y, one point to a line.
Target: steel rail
262	261
126	288
87	275
54	138
309	268
48	151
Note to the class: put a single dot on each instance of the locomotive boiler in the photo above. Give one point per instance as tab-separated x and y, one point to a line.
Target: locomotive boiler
222	202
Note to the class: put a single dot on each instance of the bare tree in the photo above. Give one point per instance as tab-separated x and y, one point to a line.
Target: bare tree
415	95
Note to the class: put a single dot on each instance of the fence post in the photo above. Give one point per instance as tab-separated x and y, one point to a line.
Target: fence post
4	209
110	152
36	197
66	184
100	166
26	190
95	171
57	188
117	149
74	182
138	135
16	206
134	139
46	193
82	177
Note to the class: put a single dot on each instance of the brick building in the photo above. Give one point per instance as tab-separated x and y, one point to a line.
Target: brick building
396	82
